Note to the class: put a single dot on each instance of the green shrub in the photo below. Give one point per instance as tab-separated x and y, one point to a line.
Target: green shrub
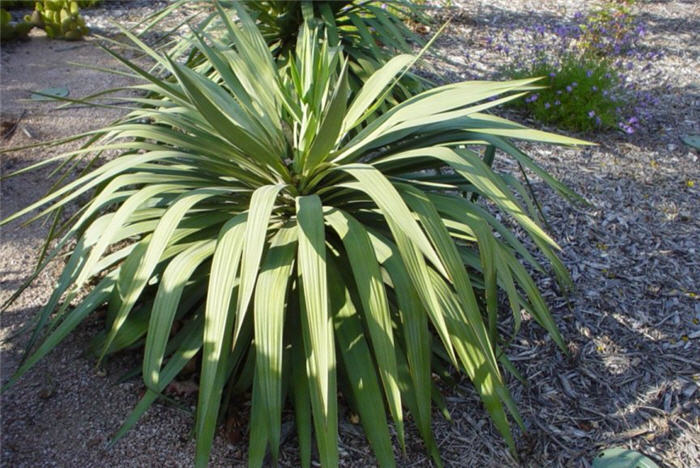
580	94
60	19
581	63
304	243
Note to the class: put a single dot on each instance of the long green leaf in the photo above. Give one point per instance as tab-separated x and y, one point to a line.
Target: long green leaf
317	326
387	198
218	328
370	287
131	286
261	205
358	364
269	319
167	298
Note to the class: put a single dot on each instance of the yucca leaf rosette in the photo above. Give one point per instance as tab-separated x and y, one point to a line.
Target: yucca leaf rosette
271	222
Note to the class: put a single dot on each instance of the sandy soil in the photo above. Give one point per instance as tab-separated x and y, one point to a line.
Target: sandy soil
632	377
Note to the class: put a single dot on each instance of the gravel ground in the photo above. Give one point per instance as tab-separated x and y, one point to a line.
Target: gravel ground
632	324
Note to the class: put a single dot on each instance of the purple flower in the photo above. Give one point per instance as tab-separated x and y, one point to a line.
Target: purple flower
569	89
552	74
557	102
591	114
589	73
558	92
547	105
626	128
574	84
594	88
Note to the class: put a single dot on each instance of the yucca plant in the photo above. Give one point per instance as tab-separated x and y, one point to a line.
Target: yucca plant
370	32
271	223
365	29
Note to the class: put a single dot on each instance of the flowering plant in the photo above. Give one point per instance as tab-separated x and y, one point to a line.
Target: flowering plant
586	86
580	94
612	29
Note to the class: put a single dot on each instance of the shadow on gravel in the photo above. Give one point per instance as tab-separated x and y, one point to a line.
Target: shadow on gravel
631	377
495	18
618	387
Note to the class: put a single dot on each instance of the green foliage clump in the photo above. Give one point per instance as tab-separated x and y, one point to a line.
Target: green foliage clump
585	89
580	94
308	239
10	30
365	29
60	19
370	32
